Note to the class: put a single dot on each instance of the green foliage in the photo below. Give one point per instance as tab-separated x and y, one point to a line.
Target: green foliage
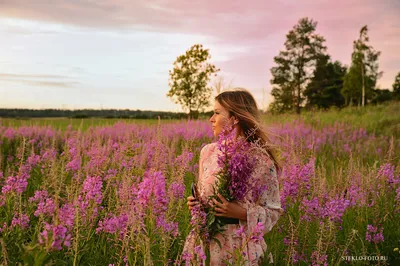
189	79
302	49
380	96
363	73
89	113
396	87
324	89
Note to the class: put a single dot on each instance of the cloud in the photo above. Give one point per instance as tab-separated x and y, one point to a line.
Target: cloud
39	80
234	20
223	21
39	83
257	28
30	76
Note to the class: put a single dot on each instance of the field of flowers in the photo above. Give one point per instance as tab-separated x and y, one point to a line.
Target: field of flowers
116	193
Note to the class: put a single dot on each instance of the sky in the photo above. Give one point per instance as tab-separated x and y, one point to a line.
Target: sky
104	54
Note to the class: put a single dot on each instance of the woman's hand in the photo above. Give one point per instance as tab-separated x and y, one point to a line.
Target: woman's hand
229	209
191	202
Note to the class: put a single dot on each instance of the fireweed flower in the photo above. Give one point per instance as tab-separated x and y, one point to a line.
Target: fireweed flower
311	209
66	215
184	159
233	179
49	155
318	259
198	222
114	224
387	172
241	231
168	227
45	206
296	181
200	252
39	195
17	183
21	220
54	237
72	153
235	164
177	189
74	165
110	173
322	207
33	160
256	235
91	195
196	258
288	241
373	236
258	232
356	196
187	258
335	208
151	193
97	155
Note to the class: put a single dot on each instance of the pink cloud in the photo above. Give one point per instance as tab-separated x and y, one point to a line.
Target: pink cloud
258	26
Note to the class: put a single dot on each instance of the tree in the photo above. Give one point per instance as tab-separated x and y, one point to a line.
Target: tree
352	85
396	87
283	100
324	88
380	96
189	80
295	65
363	73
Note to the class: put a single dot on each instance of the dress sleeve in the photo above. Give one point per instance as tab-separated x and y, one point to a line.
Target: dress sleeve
201	159
266	207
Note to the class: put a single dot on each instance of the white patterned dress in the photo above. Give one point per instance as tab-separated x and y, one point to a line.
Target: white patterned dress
266	210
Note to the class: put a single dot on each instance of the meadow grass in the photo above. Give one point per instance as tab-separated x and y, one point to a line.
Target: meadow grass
109	191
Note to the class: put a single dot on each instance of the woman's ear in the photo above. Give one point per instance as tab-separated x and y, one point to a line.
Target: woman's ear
235	120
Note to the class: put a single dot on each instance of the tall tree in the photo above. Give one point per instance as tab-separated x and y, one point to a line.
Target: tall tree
396	87
363	73
295	65
323	91
189	79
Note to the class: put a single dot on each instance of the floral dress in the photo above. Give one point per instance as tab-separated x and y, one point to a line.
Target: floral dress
266	210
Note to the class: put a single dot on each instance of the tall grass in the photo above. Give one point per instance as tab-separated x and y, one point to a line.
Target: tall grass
100	192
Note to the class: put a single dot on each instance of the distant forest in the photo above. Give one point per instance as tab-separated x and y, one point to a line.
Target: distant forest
104	113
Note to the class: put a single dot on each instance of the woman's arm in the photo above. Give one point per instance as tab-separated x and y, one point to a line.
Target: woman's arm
267	208
229	209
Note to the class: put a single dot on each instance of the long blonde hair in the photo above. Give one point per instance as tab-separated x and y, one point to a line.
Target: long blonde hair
241	104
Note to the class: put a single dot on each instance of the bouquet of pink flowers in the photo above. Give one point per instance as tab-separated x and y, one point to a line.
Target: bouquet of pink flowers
233	179
233	182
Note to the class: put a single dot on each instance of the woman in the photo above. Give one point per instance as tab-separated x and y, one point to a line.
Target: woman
238	109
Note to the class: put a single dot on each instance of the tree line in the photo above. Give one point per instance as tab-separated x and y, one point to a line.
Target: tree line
90	113
303	76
